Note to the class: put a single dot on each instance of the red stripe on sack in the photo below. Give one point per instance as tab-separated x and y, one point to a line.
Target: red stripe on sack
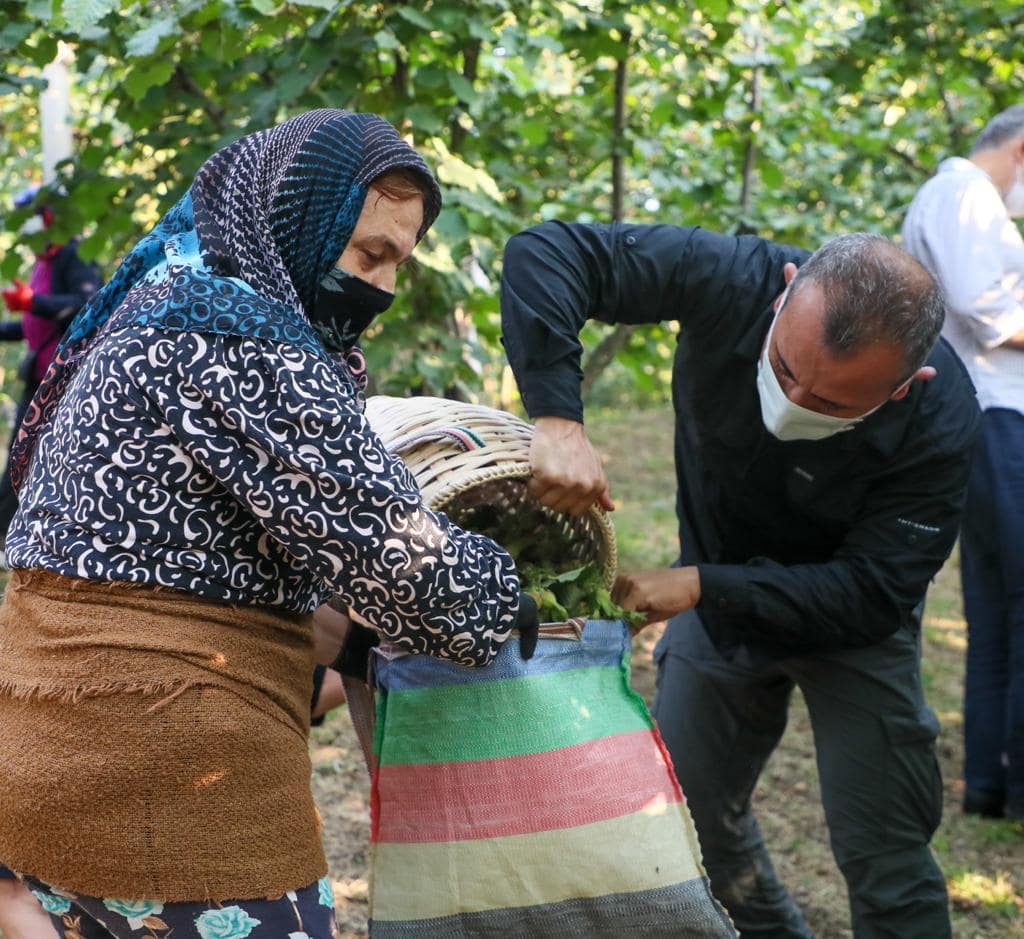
564	788
660	741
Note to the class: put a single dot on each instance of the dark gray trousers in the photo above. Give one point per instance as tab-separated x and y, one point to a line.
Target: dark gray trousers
874	742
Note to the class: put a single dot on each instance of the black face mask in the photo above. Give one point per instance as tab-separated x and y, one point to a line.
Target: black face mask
345	305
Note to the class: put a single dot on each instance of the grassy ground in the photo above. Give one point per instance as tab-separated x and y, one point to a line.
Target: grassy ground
983	860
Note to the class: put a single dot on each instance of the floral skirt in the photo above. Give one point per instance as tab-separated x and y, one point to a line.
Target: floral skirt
300	914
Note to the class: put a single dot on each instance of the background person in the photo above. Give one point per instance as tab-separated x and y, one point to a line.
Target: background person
59	285
196	478
960	227
822	449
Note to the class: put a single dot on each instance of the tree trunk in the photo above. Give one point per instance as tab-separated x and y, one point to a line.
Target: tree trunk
400	76
614	341
470	62
750	150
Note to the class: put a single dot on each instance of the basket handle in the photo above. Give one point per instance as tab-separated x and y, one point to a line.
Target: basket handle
464	438
570	629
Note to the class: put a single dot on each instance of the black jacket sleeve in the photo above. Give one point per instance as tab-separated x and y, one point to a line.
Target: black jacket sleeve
73	282
558	275
873	581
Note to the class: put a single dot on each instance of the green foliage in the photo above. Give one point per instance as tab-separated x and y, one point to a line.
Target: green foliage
793	120
563	585
562	595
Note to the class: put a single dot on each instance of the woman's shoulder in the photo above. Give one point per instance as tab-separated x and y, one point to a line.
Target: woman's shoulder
189	300
171	364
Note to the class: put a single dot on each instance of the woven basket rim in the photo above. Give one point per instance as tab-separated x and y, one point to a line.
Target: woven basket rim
504	454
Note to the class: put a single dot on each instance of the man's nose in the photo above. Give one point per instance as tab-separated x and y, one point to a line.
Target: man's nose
799	396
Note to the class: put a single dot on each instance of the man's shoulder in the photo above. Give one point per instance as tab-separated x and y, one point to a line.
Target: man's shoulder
945	361
955	180
66	254
949	408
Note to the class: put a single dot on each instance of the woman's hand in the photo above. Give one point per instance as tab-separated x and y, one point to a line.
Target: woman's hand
659	594
329	631
566	471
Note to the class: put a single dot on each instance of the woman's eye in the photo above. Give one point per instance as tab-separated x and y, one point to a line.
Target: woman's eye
371	258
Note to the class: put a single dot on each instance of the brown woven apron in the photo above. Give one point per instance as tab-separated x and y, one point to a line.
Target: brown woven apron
153	745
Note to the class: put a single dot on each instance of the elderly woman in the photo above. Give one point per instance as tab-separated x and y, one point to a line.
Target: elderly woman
196	477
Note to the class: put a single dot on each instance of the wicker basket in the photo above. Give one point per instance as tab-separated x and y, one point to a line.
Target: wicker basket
466	456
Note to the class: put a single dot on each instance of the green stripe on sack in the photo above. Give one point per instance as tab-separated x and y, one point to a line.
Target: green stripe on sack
512	717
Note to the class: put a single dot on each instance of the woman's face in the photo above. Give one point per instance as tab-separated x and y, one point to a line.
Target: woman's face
384	238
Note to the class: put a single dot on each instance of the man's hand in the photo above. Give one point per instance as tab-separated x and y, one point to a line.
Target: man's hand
567	474
19	297
1015	342
659	594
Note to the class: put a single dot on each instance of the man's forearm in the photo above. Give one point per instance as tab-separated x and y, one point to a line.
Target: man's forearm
802	607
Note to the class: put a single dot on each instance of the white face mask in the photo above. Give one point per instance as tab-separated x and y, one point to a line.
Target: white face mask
786	420
1014	199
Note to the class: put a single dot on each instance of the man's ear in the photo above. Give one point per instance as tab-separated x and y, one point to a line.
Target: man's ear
924	373
788	273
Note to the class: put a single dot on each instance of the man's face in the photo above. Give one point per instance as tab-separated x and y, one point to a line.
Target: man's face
813	378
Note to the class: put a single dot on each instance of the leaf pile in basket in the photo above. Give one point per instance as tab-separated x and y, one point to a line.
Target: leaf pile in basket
563	587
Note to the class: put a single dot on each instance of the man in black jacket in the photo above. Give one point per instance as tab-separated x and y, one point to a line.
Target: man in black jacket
822	447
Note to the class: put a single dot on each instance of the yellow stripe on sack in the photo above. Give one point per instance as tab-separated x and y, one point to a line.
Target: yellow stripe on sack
642	851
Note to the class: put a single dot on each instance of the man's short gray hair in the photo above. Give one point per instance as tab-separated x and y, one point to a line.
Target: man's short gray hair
1006	125
875	293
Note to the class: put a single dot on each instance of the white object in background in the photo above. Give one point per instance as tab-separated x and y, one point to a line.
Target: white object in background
55	113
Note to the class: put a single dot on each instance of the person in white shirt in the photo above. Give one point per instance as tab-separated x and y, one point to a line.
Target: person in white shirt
960	226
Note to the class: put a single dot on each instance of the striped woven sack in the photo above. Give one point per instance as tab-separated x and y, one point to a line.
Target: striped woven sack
529	799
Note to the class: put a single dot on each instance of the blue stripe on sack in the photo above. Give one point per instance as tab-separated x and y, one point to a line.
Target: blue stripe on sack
686	909
603	644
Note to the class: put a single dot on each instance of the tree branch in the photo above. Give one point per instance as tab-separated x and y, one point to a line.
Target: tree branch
619	131
955	136
213	111
908	159
750	147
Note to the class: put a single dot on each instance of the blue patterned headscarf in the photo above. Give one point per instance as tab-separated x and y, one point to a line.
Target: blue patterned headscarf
243	251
